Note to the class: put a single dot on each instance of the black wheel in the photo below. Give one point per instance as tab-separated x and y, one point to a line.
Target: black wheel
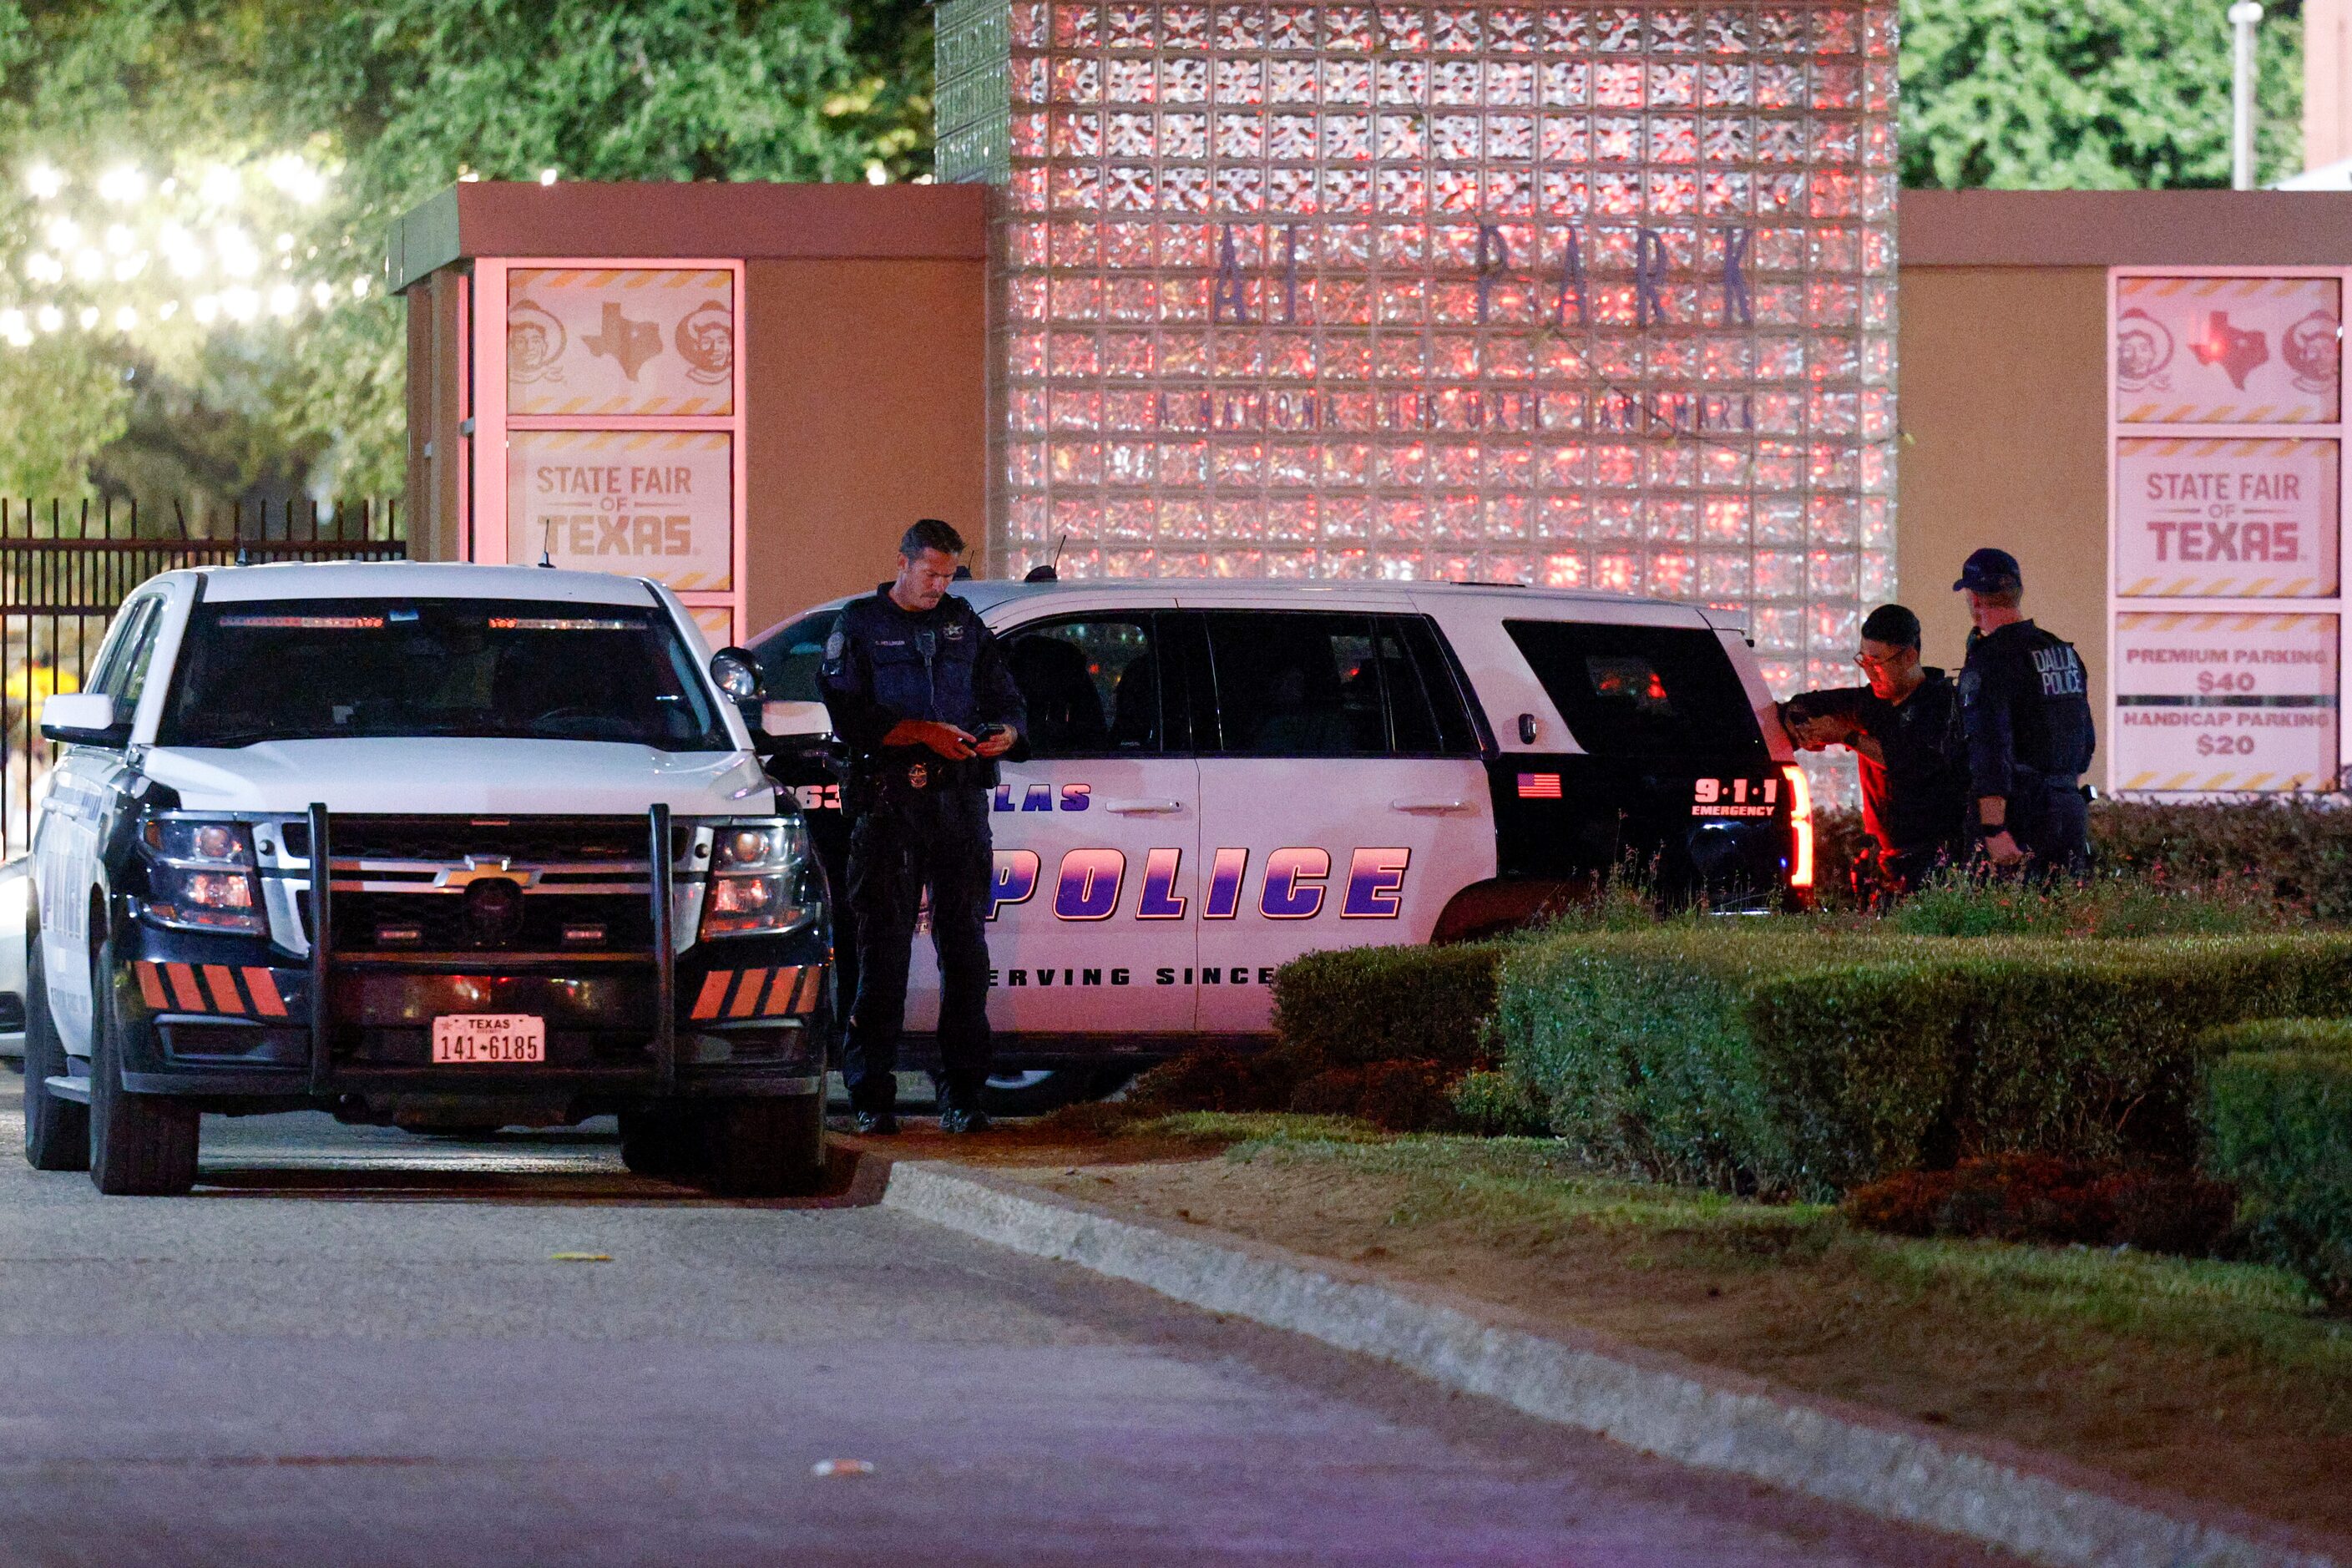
139	1144
766	1148
57	1130
659	1142
1038	1092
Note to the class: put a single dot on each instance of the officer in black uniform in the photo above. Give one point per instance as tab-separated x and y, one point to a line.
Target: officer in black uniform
2026	710
919	692
1905	728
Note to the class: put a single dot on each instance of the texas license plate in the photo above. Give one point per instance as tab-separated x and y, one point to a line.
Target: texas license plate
490	1038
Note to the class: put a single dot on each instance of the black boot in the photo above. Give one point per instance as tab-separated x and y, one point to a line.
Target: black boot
956	1119
877	1123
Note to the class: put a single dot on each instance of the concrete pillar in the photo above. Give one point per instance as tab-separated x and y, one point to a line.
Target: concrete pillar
2326	83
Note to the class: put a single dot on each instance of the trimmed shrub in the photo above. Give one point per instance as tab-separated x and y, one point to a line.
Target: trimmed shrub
2295	852
1755	1057
1406	1097
2280	1126
1353	1006
1496	1105
1212	1077
1334	1091
2039	1197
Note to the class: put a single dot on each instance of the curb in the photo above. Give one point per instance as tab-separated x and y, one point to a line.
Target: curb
2041	1508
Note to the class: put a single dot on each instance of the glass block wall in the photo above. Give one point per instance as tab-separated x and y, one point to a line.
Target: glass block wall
1588	296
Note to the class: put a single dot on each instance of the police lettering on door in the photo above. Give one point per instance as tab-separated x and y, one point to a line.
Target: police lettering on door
1095	882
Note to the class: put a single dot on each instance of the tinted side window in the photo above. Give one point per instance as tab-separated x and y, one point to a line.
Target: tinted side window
1457	731
1293	685
1640	692
790	658
1092	685
135	667
114	657
1425	716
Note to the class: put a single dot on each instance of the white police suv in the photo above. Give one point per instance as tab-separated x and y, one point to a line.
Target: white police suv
1223	775
436	845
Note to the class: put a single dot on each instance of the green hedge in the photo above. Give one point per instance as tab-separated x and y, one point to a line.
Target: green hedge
1354	1006
2278	1114
1772	1058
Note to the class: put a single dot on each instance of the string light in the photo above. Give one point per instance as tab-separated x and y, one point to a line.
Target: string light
87	317
44	182
283	299
122	185
221	185
547	176
50	318
205	308
126	320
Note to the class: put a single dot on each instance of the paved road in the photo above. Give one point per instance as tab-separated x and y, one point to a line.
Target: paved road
356	1347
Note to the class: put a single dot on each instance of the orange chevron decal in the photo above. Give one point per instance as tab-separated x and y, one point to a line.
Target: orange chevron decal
747	994
780	993
714	992
183	988
264	988
151	985
224	988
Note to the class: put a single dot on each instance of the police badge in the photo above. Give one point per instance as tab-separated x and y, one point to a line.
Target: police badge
918	776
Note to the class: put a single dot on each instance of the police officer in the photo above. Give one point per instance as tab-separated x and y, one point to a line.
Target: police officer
1905	728
919	692
2027	712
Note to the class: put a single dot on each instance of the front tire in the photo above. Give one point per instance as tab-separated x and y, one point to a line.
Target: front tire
1035	1093
139	1144
56	1130
657	1141
767	1148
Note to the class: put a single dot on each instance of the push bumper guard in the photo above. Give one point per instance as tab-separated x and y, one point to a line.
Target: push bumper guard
298	1034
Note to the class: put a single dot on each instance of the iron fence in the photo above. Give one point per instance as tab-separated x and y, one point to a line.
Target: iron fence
65	571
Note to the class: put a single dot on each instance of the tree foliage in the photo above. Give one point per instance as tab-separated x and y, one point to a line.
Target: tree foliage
2088	94
395	100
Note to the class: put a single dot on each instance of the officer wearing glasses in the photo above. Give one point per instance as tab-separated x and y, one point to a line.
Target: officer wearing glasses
919	691
1905	728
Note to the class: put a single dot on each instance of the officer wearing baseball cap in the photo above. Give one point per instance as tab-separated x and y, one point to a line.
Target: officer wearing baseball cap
2026	710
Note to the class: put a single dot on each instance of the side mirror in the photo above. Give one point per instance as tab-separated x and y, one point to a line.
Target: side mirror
83	719
797	720
737	673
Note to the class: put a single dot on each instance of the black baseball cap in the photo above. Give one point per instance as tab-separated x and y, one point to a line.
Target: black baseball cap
1990	571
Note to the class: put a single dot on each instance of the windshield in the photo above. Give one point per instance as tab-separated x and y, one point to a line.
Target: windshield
791	658
516	670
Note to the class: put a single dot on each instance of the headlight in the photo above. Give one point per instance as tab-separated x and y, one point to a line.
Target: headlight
200	875
756	871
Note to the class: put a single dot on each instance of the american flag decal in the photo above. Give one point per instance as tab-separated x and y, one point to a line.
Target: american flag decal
1538	786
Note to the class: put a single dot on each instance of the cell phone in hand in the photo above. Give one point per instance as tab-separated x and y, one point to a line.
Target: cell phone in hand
983	733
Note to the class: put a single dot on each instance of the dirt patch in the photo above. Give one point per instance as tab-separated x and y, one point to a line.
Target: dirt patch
2211	1381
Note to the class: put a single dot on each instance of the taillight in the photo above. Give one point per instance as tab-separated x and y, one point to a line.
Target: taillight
1800	826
